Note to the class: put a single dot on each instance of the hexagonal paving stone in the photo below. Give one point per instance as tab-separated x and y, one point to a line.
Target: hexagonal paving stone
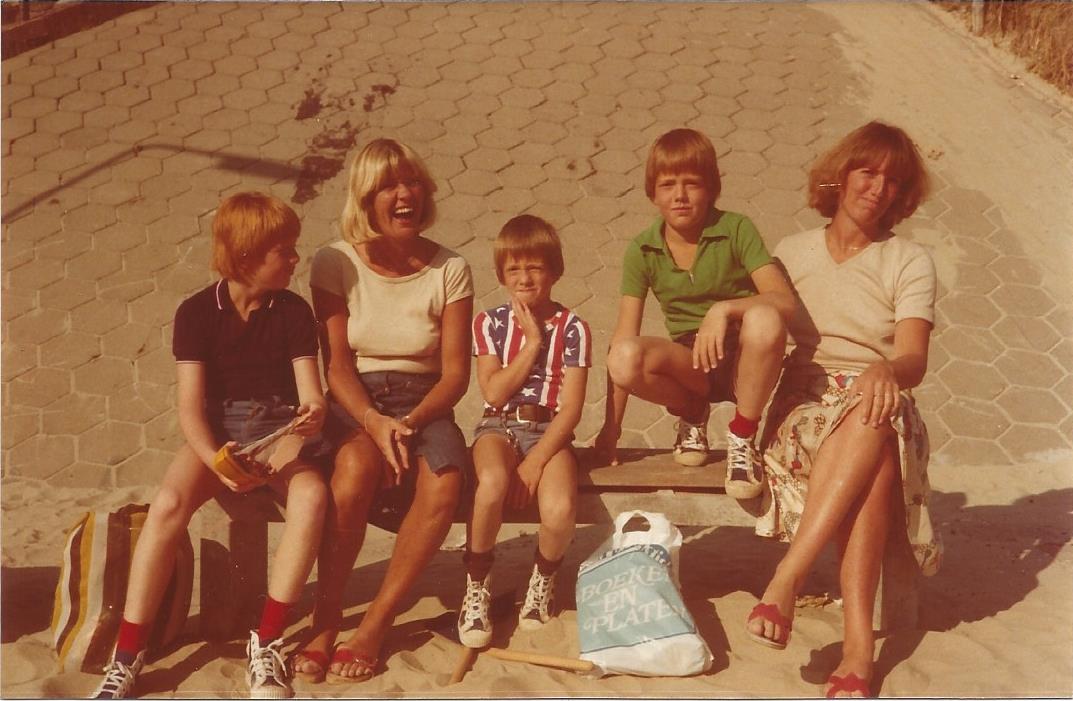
41	456
1028	369
1022	299
39	387
963	451
1022	441
973	418
73	414
971	343
970	309
110	443
1029	333
1032	406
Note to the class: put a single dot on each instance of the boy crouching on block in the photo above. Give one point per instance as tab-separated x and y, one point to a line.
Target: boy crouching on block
533	356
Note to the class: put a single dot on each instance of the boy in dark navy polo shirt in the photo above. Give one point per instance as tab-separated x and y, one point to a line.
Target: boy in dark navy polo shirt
725	304
246	354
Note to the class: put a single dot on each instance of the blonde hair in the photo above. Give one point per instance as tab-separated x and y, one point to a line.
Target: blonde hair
379	163
681	151
527	235
869	146
246	226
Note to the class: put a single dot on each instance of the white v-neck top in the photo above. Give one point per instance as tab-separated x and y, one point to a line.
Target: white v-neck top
846	318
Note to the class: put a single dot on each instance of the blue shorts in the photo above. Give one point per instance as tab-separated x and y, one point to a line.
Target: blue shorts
396	394
522	435
721	379
247	420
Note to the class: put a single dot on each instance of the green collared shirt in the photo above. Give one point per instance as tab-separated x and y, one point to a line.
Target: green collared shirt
729	250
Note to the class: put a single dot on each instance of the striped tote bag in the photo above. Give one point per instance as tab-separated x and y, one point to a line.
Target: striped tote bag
93	586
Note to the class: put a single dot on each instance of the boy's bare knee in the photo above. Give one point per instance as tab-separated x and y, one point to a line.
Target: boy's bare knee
491	489
310	492
559	513
625	361
169	508
762	328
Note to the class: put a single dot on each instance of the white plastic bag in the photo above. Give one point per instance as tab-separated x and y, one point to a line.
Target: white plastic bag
631	618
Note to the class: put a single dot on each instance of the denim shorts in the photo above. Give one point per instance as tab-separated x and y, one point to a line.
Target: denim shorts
720	379
396	394
522	435
247	420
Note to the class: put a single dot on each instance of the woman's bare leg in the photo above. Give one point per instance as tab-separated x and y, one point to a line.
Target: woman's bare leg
862	546
845	465
420	535
355	479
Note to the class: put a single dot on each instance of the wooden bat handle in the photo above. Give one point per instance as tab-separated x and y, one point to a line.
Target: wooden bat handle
464	663
569	663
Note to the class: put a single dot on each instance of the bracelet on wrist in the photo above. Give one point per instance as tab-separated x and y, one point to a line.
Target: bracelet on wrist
365	417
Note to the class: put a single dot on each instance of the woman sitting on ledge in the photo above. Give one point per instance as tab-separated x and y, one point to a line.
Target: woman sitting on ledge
845	448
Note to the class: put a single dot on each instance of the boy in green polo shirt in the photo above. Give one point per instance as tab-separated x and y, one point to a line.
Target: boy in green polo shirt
725	304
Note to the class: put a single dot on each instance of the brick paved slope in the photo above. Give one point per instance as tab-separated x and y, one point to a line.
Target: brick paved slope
119	141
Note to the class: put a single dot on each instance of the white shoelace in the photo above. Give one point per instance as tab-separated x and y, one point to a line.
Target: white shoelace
118	678
267	663
538	596
477	601
739	452
692	436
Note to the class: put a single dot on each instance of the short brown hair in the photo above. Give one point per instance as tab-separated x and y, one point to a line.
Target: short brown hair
245	227
527	235
381	161
869	146
681	151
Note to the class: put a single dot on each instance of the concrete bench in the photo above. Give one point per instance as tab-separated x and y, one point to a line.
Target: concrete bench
232	533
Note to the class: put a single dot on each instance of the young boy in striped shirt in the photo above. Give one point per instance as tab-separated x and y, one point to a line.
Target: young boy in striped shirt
533	356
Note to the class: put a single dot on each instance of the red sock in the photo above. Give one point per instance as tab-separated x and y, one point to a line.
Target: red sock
743	427
132	640
273	619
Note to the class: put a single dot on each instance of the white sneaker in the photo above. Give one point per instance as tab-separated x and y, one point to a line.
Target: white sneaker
474	620
266	673
119	679
745	473
691	446
536	611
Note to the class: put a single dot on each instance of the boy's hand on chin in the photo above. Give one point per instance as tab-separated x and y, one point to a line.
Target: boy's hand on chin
531	327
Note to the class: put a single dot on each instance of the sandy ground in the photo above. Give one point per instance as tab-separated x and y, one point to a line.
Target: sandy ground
995	621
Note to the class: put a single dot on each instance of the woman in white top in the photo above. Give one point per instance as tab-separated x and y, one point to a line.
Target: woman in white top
845	448
394	310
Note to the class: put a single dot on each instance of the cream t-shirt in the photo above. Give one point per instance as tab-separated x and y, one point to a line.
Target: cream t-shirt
394	321
846	318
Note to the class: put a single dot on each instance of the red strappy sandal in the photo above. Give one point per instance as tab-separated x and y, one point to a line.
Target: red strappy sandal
771	614
848	684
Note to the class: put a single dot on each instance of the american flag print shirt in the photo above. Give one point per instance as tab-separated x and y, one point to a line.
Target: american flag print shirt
567	343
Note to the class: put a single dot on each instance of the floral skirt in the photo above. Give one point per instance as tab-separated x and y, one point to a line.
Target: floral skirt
802	415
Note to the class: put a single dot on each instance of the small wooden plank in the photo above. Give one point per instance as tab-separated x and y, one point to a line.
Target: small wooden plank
649	469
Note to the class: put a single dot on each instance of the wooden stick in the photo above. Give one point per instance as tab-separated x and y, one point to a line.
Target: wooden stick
469	655
568	663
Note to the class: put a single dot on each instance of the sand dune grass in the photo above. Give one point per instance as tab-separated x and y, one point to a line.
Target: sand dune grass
1039	32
